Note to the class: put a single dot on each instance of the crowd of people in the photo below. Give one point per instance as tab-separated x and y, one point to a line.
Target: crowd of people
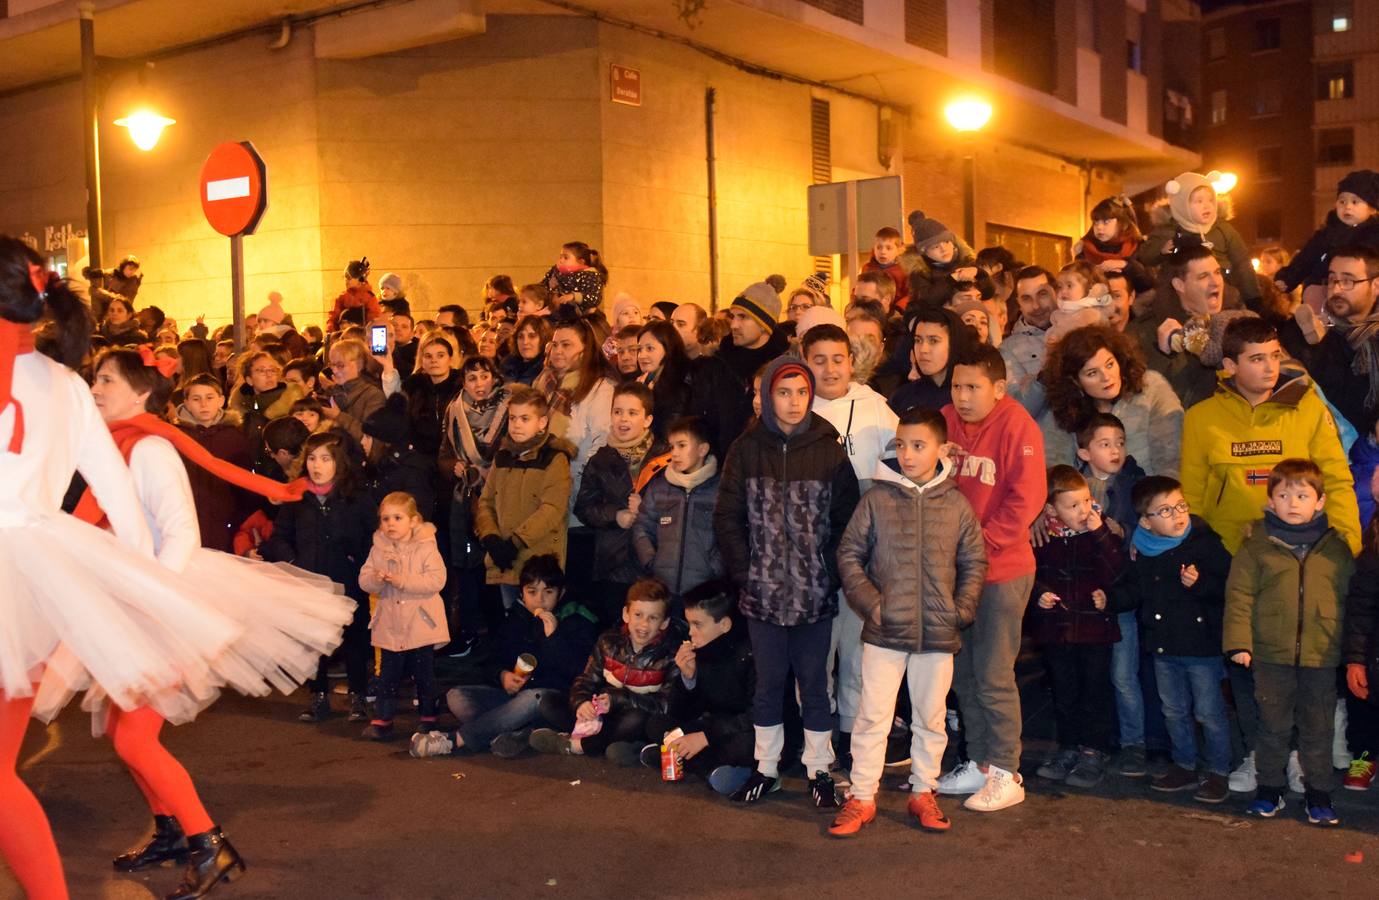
716	542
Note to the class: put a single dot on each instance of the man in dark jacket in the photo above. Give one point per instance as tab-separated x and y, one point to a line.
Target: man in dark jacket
753	342
542	645
785	497
913	564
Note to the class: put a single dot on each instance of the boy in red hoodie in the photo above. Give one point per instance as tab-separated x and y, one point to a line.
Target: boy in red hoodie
999	452
356	295
885	257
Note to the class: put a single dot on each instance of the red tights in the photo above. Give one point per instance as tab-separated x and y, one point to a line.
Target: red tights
160	777
26	840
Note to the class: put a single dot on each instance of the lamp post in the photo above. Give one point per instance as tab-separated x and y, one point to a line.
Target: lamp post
968	116
145	127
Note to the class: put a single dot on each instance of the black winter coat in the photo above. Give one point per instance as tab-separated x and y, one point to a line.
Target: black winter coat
1073	567
725	679
922	392
426	405
1176	620
1311	264
220	506
329	535
1360	639
603	492
404	469
783	503
735	398
673	536
560	657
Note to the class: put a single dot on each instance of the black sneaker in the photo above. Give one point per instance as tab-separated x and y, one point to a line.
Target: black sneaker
510	745
319	709
462	647
824	792
756	788
359	709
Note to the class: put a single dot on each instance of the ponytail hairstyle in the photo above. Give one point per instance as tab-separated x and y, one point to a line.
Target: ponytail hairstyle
589	256
66	333
1122	209
130	366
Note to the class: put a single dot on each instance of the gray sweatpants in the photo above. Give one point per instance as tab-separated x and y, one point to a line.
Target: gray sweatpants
984	675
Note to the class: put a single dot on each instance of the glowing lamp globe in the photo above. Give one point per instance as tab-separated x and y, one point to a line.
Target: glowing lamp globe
145	128
1225	182
968	114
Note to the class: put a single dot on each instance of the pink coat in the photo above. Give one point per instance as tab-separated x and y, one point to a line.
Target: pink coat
410	614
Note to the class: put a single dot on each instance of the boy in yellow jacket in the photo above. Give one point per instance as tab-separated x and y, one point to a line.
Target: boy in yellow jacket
1264	410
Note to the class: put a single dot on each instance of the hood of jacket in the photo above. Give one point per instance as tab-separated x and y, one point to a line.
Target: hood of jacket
1293	384
226	417
420	534
768	408
888	472
560	445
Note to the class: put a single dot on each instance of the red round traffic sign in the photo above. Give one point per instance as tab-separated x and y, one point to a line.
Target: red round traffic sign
234	188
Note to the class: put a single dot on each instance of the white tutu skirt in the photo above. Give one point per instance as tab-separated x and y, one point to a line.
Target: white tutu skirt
92	614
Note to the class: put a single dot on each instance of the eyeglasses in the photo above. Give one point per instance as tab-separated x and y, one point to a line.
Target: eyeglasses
1344	282
260	370
800	307
1168	512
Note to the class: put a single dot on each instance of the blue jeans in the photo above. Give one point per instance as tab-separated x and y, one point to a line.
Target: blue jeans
485	712
1125	676
1190	687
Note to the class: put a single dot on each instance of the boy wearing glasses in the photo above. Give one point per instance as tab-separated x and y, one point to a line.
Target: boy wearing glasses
1176	580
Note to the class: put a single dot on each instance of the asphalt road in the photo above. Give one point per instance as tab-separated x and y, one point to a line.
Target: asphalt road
318	813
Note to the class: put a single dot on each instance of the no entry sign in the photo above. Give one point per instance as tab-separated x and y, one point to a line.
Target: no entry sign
234	188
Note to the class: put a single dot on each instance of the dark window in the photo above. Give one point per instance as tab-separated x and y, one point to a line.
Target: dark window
926	24
1269	162
1133	60
1269	225
1019	26
843	9
1218	107
1268	97
1336	81
1268	34
1216	43
821	157
1336	147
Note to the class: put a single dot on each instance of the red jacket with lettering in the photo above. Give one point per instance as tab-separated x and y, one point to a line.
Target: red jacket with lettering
638	679
1001	473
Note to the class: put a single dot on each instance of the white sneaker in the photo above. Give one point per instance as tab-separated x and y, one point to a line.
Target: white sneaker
1340	751
1295	773
1002	789
1243	780
967	778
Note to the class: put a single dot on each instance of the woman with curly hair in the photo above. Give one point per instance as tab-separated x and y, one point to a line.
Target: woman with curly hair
1098	369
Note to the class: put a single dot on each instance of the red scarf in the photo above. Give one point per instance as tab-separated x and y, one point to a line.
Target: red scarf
129	432
16	339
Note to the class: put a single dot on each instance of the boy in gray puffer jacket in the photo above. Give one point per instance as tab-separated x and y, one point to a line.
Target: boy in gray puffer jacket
913	563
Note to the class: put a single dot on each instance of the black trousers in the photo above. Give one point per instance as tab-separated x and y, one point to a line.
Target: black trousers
1084	706
419	664
355	649
625	724
1298	696
735	748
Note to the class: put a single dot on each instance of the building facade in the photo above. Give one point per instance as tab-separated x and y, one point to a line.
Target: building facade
449	140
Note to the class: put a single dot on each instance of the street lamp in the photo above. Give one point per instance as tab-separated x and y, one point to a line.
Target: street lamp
145	128
968	115
1225	182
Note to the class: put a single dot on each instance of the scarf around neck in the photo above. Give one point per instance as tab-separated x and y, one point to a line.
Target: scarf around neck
633	452
691	480
1304	535
1147	543
1363	338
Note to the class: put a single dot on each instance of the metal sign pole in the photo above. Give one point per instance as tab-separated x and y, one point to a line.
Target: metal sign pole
237	287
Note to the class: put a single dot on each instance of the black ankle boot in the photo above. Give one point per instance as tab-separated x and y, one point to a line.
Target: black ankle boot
168	845
213	860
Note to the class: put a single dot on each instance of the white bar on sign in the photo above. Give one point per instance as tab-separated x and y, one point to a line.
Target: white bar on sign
227	188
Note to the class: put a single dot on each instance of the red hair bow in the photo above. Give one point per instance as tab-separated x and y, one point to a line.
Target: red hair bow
166	366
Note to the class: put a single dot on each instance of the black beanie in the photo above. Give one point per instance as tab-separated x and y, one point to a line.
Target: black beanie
389	424
1363	183
927	231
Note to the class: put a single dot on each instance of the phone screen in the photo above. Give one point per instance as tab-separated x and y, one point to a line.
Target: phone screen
378	339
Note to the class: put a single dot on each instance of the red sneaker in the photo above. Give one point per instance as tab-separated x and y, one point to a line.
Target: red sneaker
1361	774
854	815
924	807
